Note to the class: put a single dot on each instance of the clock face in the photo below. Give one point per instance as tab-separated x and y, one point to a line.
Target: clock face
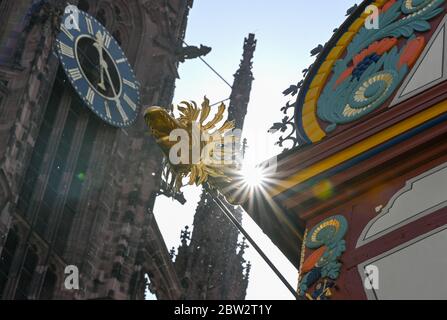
99	71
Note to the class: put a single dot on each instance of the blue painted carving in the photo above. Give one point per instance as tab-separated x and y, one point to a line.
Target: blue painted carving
364	65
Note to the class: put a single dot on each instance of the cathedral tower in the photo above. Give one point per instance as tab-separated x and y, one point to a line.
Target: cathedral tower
75	190
212	266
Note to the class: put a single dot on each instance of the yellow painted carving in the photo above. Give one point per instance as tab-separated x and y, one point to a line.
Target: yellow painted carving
326	66
313	93
357	24
346	39
335	53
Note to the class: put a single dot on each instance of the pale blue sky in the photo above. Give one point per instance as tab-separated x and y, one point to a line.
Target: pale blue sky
286	31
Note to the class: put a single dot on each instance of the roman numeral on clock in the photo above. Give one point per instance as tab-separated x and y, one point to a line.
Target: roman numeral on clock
121	111
121	60
90	95
107	107
107	40
129	83
75	74
88	21
130	102
66	50
67	33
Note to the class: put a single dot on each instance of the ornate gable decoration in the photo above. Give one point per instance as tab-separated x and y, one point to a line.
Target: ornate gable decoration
365	67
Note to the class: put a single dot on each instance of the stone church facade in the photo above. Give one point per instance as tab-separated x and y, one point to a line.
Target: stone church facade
73	190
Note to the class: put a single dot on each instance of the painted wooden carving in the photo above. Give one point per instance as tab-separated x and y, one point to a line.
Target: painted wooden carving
366	67
322	267
374	66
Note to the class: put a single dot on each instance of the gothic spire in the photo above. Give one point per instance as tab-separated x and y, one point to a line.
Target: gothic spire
243	79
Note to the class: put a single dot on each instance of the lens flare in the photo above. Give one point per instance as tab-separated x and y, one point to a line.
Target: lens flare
323	190
253	176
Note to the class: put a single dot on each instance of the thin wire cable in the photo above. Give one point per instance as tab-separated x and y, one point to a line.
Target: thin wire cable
222	204
212	69
229	215
222	101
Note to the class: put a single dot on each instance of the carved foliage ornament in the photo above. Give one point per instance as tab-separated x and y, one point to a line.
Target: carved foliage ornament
322	267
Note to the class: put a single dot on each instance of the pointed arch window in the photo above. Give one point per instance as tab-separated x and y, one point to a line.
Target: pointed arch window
77	183
58	169
59	165
26	203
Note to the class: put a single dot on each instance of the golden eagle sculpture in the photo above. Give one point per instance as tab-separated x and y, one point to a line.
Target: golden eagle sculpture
196	148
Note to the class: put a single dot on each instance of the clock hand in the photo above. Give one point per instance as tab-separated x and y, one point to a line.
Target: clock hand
109	78
116	98
99	45
101	83
105	69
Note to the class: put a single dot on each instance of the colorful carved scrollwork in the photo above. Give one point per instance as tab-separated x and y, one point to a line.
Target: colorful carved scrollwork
365	66
322	267
374	66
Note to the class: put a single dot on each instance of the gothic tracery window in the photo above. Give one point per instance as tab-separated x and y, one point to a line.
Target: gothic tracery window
53	184
77	183
26	201
58	169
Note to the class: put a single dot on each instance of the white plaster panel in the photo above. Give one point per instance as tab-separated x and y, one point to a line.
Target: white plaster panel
413	271
421	196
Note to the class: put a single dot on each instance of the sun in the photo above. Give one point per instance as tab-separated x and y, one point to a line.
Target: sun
254	176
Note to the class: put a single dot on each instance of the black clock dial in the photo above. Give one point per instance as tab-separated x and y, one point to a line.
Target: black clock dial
89	59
